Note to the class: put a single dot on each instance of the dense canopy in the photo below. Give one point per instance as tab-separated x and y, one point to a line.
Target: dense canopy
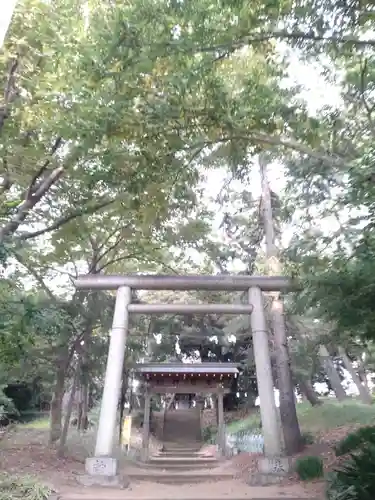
180	137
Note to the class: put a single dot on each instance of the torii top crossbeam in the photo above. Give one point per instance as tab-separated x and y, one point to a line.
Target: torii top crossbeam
223	282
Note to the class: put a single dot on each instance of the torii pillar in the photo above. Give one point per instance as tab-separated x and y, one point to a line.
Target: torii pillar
102	469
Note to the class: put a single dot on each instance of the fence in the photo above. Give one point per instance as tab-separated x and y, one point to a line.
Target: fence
249	441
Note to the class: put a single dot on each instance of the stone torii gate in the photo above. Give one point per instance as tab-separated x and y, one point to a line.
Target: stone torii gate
102	468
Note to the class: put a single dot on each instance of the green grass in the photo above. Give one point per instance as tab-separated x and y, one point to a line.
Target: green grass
26	487
39	424
309	468
328	416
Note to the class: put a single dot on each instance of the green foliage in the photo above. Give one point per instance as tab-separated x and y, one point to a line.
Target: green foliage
41	423
333	414
355	479
7	406
209	433
336	489
346	291
26	487
116	108
356	440
309	468
330	415
105	124
307	438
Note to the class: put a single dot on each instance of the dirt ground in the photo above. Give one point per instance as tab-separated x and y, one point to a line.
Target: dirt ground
219	490
25	451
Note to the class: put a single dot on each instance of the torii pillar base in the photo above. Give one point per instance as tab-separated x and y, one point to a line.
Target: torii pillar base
103	471
271	470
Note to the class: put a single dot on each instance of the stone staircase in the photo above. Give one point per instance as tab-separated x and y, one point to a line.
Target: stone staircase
182	427
181	460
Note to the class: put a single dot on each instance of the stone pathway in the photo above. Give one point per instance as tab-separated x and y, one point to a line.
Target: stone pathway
220	490
233	489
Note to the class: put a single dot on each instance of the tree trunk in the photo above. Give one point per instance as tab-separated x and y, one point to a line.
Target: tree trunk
69	409
288	413
124	388
331	373
217	409
308	391
83	420
364	394
63	361
56	405
85	406
79	401
362	372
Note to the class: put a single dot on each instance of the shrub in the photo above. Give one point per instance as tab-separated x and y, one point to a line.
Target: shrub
354	480
356	440
309	468
209	433
336	489
26	487
308	438
8	409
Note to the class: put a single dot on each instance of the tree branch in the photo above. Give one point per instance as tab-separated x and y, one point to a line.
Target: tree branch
56	145
369	109
119	227
119	240
35	275
64	220
119	259
9	92
262	138
6	181
24	208
285	35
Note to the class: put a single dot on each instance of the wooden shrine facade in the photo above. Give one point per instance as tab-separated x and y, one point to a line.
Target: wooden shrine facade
186	378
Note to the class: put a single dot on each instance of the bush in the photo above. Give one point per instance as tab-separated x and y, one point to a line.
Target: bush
355	480
356	440
209	433
307	438
27	488
8	409
309	468
336	489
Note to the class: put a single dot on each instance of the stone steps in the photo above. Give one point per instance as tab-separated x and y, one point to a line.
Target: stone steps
178	476
184	463
181	449
180	453
182	424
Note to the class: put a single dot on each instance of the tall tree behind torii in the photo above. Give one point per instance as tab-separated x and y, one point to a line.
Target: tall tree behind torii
288	413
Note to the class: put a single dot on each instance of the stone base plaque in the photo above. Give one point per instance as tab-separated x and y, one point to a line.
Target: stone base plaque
271	470
102	471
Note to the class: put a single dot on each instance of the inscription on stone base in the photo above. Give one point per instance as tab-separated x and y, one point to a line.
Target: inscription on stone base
101	466
271	470
278	466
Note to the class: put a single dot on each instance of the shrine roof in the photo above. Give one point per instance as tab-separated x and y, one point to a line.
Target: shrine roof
191	368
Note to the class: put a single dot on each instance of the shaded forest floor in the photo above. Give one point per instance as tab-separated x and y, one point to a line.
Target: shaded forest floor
25	451
329	416
325	426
